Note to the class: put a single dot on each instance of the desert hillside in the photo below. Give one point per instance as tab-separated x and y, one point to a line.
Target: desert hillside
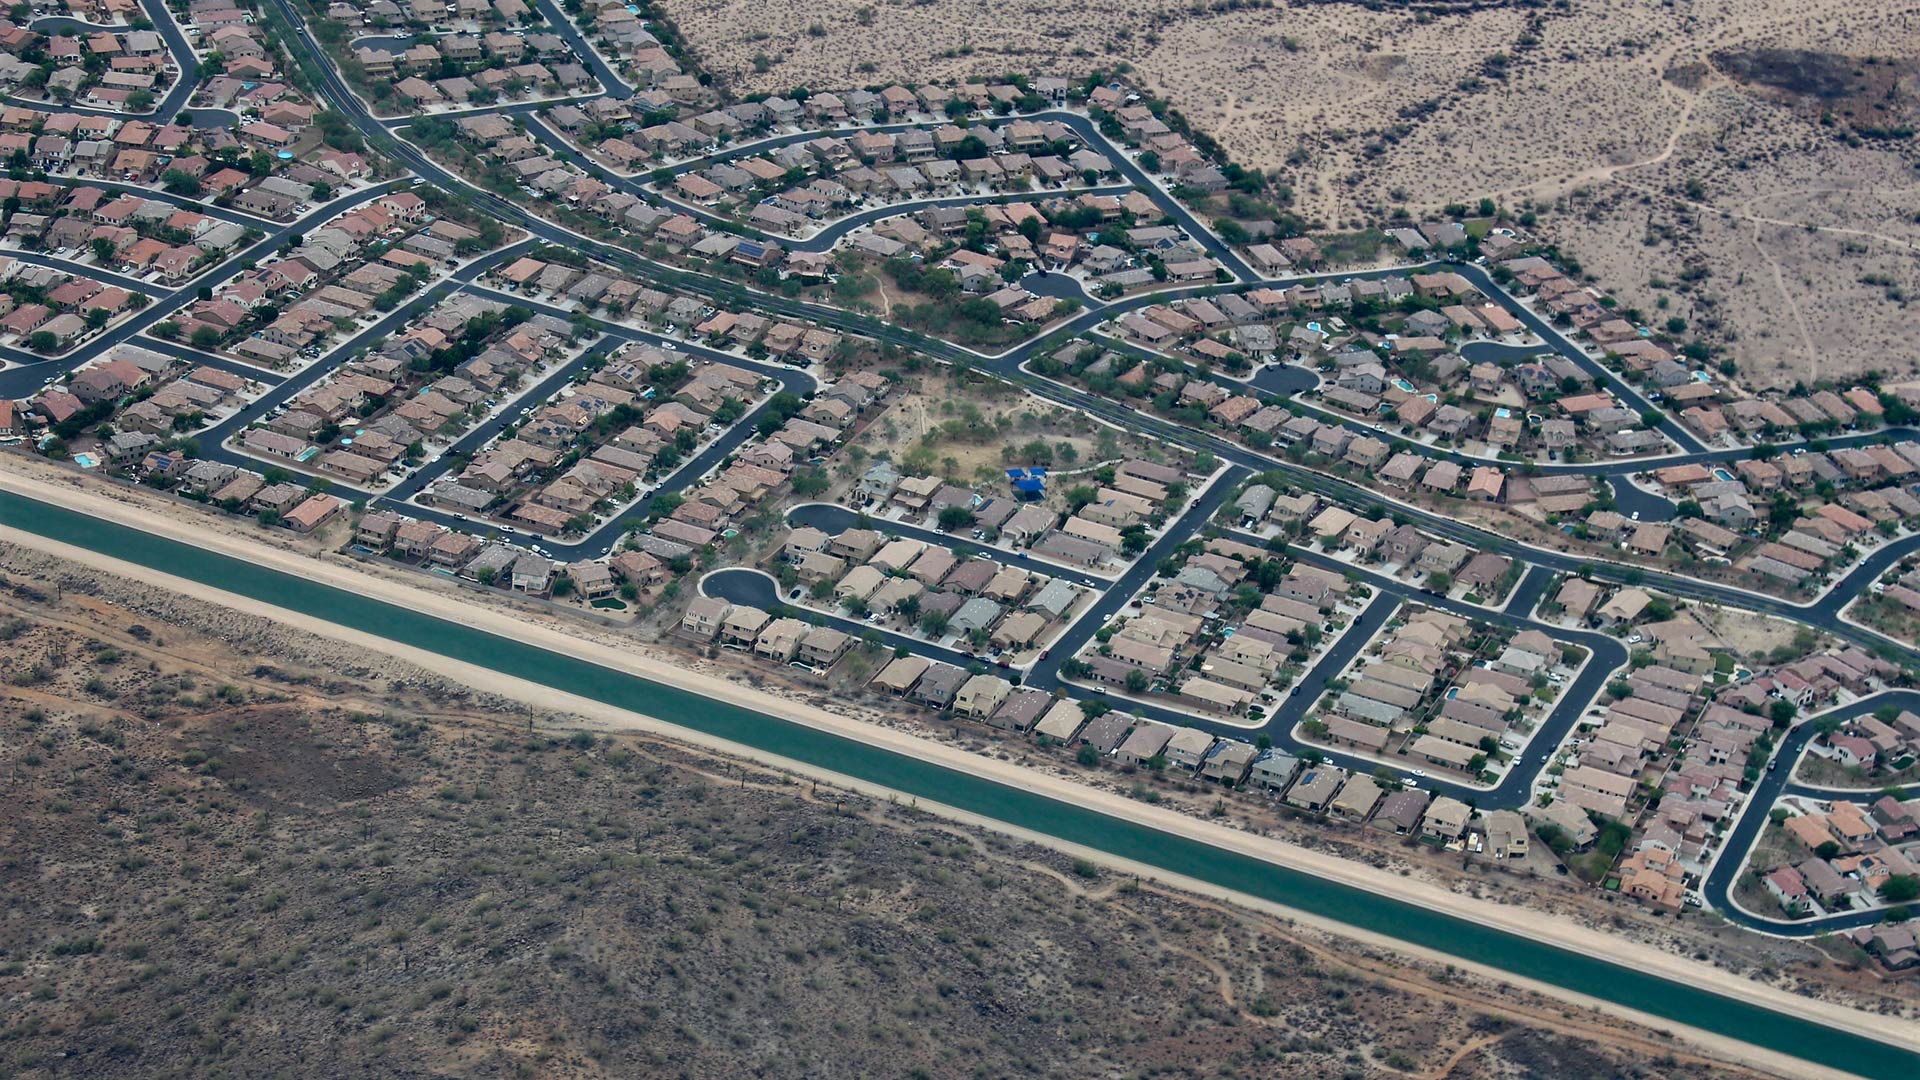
228	843
1749	163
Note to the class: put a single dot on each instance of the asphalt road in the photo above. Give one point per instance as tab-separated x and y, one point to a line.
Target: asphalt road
822	241
1500	352
191	355
1276	383
604	537
214	438
1608	655
1284	381
1514	790
1054	285
594	63
78	269
1721	878
833	520
755	589
1007	365
30	372
1528	594
166	107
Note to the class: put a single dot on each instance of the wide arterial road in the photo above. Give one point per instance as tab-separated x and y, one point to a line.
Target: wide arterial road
1821	614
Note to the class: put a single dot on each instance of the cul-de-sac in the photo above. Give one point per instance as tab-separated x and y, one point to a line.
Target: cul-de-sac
946	539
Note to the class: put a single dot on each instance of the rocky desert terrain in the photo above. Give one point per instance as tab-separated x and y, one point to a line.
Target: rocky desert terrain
1746	165
227	840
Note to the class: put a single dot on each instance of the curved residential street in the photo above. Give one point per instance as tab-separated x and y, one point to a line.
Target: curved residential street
1524	779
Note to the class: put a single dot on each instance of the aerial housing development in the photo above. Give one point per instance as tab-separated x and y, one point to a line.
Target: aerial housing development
1012	422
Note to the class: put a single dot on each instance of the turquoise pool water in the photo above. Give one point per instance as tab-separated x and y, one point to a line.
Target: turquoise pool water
1027	809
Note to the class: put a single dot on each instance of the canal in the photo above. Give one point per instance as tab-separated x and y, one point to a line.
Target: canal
1368	911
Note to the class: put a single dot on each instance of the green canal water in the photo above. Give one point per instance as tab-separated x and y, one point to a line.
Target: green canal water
1367	911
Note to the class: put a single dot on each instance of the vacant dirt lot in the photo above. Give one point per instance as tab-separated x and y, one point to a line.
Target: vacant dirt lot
972	432
229	845
1704	148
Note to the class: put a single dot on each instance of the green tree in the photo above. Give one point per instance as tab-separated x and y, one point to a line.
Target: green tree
1901	889
808	483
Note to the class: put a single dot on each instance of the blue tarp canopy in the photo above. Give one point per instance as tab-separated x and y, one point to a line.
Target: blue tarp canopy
1034	486
1016	474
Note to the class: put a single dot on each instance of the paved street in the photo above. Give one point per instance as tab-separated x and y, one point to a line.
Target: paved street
264	62
1724	874
31	371
166	107
22	379
1284	384
834	520
755	589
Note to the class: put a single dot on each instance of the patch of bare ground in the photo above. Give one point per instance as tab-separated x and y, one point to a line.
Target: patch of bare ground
1747	149
844	690
226	863
970	429
1786	242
